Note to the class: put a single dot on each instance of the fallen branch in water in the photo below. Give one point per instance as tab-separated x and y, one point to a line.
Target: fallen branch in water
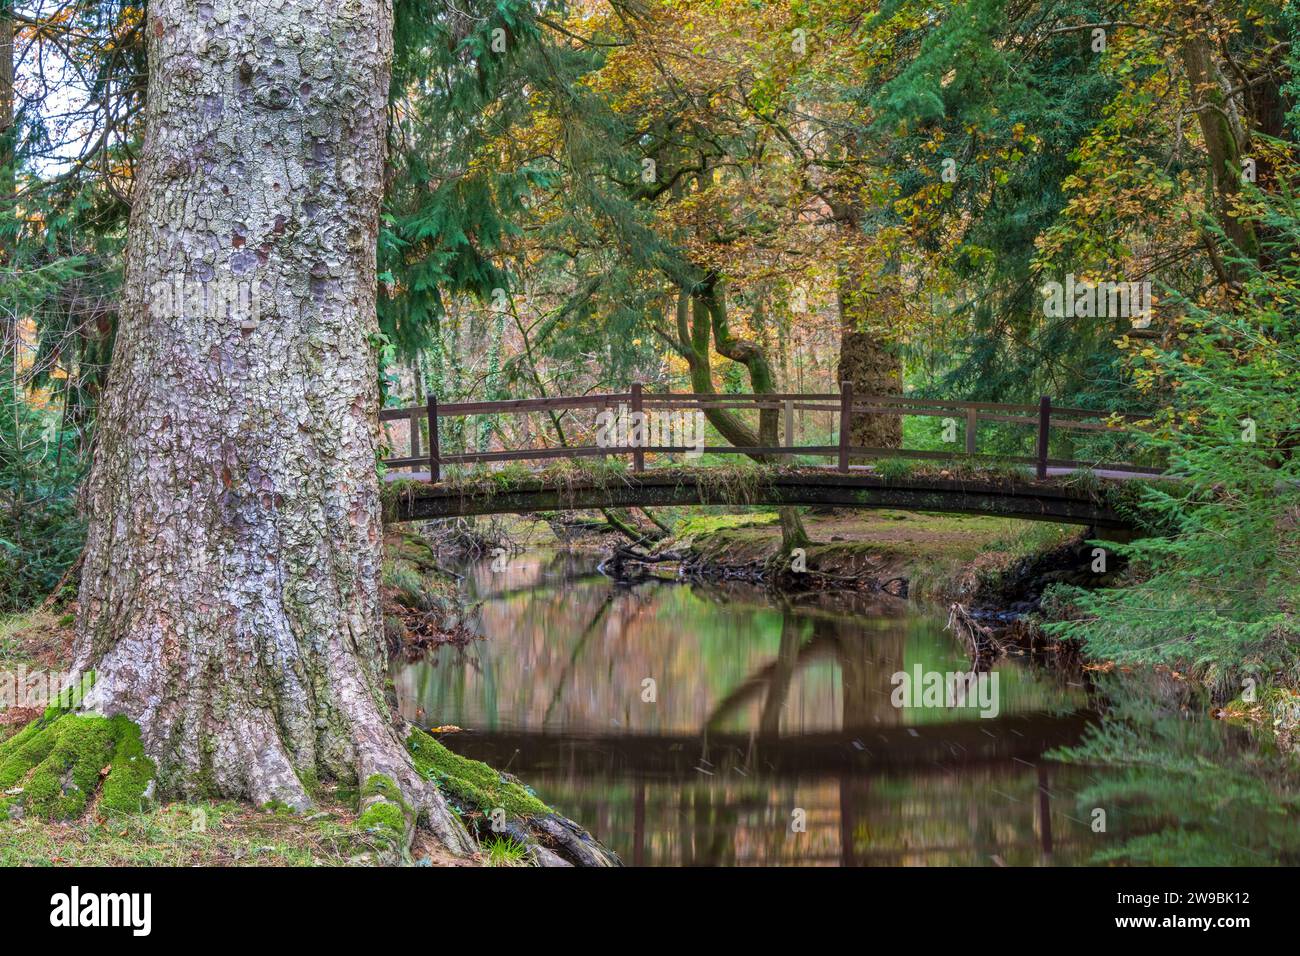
625	554
980	641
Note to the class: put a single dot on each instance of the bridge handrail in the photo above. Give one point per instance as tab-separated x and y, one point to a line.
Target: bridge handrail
846	405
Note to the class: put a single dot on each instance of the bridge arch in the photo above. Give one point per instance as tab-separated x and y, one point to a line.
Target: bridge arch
1010	497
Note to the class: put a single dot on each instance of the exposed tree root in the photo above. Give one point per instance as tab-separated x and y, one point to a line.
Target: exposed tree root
420	785
396	797
498	803
62	763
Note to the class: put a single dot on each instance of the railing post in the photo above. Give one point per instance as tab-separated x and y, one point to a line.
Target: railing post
789	426
638	454
614	418
972	423
846	422
1044	424
434	475
415	435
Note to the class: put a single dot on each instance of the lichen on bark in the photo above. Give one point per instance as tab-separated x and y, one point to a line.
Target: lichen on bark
230	596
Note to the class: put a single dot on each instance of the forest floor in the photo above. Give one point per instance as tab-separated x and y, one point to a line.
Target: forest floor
205	833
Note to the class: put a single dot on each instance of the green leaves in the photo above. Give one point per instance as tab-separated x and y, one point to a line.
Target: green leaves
1218	595
450	205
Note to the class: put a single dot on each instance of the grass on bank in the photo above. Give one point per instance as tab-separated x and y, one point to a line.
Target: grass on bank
187	834
505	851
940	554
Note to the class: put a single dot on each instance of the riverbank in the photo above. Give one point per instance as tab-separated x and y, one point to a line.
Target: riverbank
422	610
931	557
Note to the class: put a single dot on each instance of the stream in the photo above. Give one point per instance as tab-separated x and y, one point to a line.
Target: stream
688	724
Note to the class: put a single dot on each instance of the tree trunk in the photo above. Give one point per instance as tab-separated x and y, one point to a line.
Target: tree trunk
230	597
1225	138
866	360
708	320
8	177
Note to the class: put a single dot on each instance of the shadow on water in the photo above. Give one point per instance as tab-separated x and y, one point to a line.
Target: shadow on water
688	724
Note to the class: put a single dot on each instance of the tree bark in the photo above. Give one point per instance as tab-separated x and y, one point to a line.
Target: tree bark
1226	140
8	179
230	598
866	359
708	322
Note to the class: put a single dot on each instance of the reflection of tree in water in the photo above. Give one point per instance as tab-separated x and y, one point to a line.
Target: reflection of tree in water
711	841
783	670
868	660
531	574
1179	789
935	818
979	818
749	690
562	683
981	815
866	652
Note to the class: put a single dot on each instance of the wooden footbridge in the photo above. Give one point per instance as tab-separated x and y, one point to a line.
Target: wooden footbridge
837	473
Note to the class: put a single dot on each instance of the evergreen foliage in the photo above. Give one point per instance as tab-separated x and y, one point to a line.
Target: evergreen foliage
1220	593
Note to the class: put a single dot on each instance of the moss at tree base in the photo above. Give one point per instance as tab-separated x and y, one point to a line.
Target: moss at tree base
53	767
470	781
387	821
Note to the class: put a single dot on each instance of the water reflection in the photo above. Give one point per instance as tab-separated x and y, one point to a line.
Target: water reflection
693	725
1188	791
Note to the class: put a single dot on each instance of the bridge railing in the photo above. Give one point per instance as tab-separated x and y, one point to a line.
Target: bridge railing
1045	418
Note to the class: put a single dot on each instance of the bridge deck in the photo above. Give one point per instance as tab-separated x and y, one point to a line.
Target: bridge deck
1050	499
